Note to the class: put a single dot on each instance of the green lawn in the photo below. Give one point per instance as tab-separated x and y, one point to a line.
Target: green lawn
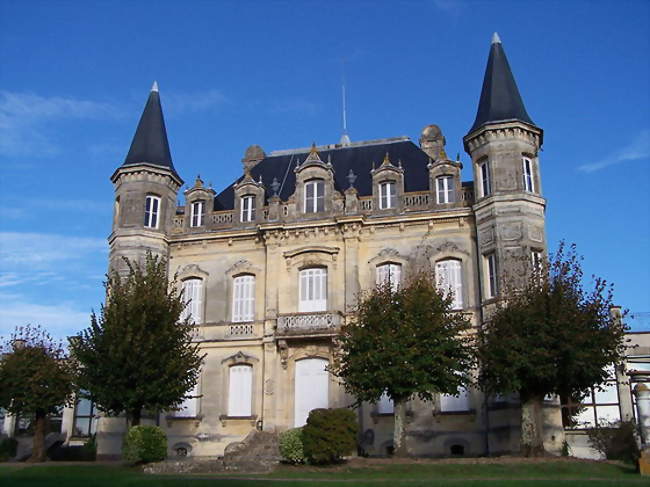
553	473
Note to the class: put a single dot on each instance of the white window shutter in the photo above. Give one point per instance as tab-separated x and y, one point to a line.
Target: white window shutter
189	406
240	390
313	290
449	279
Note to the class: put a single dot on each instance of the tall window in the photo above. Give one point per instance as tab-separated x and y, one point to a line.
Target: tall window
389	273
491	268
385	404
243	298
484	170
193	292
247	208
84	423
529	183
455	403
240	390
387	195
449	280
314	196
599	407
189	408
198	208
151	210
445	189
536	260
313	290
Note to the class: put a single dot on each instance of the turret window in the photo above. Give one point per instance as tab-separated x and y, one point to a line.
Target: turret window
387	195
198	209
151	209
314	196
247	208
529	182
486	187
491	268
449	280
445	189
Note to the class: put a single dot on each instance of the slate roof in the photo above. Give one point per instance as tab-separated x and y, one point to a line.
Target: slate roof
500	98
359	157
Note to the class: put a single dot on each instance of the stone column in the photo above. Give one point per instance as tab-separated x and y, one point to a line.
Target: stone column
642	393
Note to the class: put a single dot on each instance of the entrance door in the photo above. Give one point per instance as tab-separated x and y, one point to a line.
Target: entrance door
311	388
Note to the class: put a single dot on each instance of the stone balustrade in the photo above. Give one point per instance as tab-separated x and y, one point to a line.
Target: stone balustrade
325	322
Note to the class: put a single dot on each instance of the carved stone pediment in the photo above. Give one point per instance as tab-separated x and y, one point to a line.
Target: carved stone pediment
450	247
191	270
242	266
239	357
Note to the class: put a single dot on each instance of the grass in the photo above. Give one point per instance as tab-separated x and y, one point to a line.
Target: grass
495	473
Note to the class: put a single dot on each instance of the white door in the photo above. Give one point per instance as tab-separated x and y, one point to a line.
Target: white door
311	389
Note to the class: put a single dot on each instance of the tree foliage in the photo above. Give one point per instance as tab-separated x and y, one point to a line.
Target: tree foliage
36	379
138	355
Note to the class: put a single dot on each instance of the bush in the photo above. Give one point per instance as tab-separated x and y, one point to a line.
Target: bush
616	441
329	435
144	444
291	447
8	447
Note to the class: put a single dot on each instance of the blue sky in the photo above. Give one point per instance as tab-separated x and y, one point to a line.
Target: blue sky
74	77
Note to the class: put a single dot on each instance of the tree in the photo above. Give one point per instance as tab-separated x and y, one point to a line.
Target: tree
404	342
550	336
36	379
138	355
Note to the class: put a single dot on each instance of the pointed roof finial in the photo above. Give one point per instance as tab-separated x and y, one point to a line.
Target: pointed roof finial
154	87
386	161
495	38
313	148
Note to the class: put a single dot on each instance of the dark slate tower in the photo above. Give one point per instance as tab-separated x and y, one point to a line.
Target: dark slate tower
145	185
504	145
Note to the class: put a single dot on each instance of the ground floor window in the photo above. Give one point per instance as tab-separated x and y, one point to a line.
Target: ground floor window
84	417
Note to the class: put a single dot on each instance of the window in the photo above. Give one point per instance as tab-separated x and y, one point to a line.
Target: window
247	208
455	403
243	298
240	390
484	169
189	408
536	259
529	183
385	404
491	264
84	423
198	207
445	189
151	209
599	407
193	292
449	280
313	290
314	196
387	195
389	273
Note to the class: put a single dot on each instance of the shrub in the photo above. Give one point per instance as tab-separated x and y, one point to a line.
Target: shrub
8	447
329	435
291	447
616	441
144	444
89	449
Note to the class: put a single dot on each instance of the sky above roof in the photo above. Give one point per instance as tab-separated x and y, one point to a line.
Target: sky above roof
75	76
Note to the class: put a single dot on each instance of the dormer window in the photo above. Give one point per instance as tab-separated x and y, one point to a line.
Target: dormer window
387	195
151	209
484	170
445	189
314	196
197	210
247	208
529	183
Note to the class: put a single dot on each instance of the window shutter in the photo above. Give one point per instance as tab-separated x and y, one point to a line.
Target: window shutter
313	290
240	390
449	279
189	406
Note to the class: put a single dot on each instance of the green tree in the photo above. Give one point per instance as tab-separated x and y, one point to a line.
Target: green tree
550	336
138	355
36	379
405	342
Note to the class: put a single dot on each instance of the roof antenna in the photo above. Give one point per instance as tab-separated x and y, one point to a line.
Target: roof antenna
345	138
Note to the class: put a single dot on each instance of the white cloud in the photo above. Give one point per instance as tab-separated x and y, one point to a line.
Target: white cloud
638	149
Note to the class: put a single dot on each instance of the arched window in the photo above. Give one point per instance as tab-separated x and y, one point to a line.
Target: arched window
193	292
247	208
243	298
197	210
240	390
455	403
445	189
449	279
313	289
387	195
151	210
389	272
314	196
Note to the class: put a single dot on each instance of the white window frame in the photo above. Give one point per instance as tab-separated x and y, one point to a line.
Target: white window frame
387	195
449	279
316	202
458	403
247	208
312	290
390	272
189	408
151	211
193	292
527	168
196	211
240	391
492	289
486	184
445	189
243	298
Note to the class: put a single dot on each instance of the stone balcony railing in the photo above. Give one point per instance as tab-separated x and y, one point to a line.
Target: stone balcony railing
232	331
303	324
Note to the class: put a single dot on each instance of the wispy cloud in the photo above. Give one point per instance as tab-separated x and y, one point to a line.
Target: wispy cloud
200	101
636	150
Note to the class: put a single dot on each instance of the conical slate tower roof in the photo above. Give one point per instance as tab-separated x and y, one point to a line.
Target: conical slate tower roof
500	98
150	145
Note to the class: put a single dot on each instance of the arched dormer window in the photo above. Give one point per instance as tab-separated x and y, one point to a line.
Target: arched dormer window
449	280
387	195
193	296
243	298
151	211
445	189
314	196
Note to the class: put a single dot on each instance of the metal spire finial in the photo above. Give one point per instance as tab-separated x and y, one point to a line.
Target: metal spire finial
495	38
154	87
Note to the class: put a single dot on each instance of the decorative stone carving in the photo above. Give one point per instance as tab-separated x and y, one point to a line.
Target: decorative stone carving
191	270
269	387
240	357
450	247
242	265
284	353
536	234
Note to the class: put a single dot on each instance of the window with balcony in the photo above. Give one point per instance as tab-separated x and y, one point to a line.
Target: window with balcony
151	211
445	190
484	173
529	182
391	273
491	271
313	290
193	296
387	195
240	391
197	213
449	280
243	298
455	403
189	408
314	196
247	208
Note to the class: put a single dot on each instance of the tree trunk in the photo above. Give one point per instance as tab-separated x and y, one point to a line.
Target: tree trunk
135	417
532	427
399	433
38	442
